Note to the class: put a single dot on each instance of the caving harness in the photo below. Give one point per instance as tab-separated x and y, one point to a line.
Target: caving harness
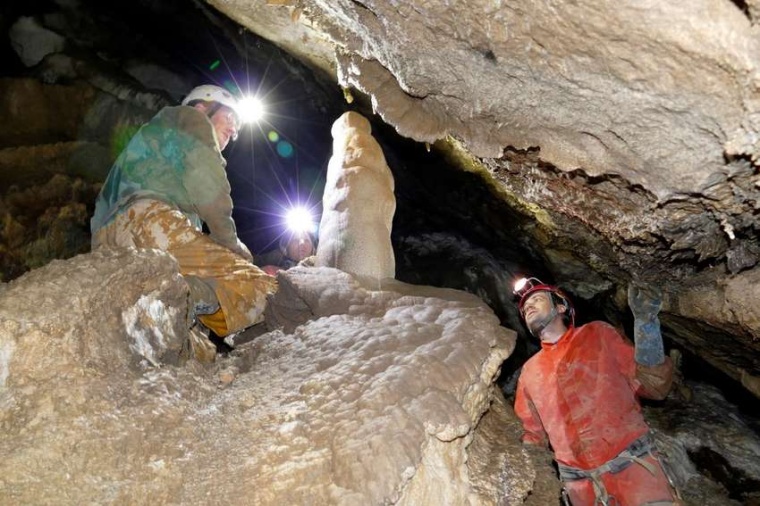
634	453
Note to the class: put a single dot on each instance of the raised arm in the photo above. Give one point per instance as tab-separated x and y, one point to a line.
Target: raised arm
653	369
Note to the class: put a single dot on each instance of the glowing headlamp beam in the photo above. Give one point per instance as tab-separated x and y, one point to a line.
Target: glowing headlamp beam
299	219
522	285
250	109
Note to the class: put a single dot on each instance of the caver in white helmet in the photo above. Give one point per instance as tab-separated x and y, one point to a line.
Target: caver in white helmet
218	97
211	93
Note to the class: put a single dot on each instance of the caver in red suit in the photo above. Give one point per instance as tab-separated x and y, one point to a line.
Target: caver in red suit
578	394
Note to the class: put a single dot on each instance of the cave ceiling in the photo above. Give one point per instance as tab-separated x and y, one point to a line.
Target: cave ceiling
626	132
637	121
590	142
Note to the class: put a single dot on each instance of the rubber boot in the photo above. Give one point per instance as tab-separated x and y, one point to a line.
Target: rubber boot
202	301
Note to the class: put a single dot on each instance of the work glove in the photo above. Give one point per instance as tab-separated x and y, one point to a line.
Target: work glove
645	304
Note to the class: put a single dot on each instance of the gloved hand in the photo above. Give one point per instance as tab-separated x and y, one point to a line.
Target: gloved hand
645	304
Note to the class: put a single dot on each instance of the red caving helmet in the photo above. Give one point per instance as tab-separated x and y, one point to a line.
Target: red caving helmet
525	287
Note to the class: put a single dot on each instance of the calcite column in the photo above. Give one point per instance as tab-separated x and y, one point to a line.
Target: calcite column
358	203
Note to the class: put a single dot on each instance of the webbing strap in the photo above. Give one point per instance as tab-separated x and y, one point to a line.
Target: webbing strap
631	455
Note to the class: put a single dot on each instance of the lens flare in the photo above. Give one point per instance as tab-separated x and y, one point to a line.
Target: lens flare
250	109
299	219
284	149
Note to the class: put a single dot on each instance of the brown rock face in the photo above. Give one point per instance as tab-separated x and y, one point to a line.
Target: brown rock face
37	114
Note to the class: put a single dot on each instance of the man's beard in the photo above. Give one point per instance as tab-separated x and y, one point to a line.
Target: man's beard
537	326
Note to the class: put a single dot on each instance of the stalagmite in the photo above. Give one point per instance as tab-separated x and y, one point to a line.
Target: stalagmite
355	231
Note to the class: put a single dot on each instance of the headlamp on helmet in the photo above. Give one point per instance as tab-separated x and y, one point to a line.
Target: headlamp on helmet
219	96
212	93
525	287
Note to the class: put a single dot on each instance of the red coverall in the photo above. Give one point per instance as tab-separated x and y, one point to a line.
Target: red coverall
581	394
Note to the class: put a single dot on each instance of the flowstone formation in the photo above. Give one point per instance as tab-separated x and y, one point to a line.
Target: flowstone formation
358	203
376	397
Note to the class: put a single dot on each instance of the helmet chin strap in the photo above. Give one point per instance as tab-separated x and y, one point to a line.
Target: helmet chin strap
537	327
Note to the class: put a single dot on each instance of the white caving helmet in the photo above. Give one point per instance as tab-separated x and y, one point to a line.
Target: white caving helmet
213	93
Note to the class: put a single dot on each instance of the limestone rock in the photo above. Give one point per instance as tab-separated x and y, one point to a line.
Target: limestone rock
713	432
718	320
32	42
497	445
358	203
376	399
605	86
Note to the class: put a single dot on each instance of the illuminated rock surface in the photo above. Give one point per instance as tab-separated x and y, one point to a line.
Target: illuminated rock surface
374	400
589	143
358	203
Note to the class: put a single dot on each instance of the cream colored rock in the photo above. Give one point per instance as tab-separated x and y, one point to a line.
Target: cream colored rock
358	203
374	399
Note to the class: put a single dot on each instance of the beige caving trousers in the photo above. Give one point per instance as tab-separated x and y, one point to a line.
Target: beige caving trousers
240	286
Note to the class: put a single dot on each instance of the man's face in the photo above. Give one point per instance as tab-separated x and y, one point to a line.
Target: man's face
226	125
300	248
537	308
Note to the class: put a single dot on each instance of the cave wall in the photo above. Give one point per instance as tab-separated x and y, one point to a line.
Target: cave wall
591	144
623	134
603	142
